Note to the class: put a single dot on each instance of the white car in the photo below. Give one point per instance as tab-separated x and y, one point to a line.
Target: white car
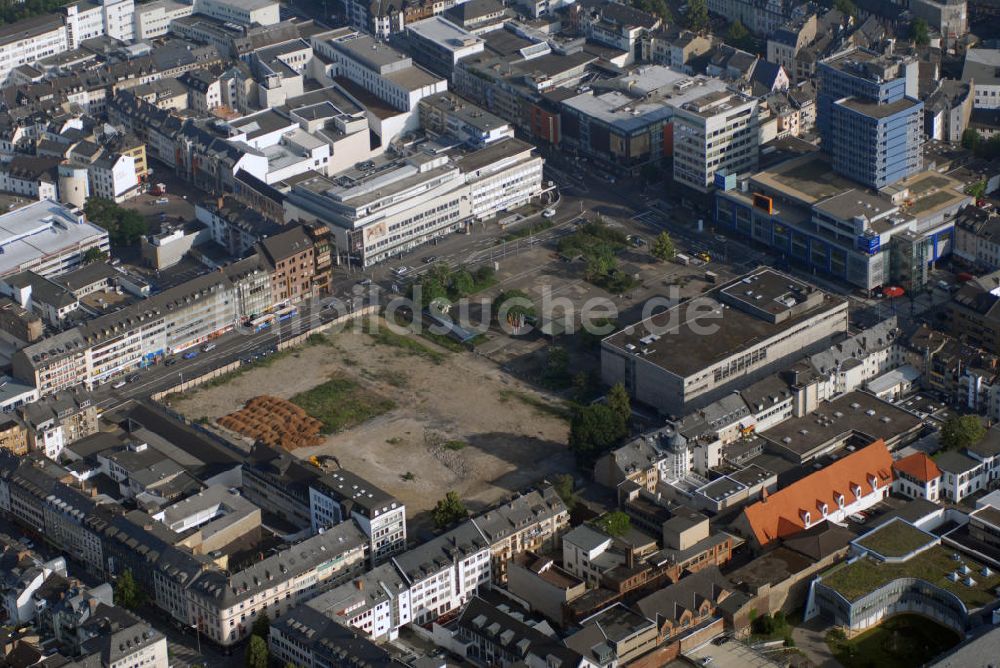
548	213
118	385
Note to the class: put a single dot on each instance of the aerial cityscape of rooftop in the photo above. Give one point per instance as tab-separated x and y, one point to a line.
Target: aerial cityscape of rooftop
500	333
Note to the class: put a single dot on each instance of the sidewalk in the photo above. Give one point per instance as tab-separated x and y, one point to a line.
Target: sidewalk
809	639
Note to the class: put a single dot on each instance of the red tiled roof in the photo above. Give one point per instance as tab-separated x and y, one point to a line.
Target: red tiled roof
919	467
781	514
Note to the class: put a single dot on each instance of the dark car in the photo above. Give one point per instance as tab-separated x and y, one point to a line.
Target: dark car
170	362
134	377
430	258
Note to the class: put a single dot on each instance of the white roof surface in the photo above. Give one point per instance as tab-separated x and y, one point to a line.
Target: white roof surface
40	229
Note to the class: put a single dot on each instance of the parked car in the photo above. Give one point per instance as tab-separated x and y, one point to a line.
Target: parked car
548	213
857	518
162	200
207	347
170	362
118	385
134	377
430	259
190	355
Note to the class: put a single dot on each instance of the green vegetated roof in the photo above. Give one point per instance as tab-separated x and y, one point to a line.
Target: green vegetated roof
866	574
895	539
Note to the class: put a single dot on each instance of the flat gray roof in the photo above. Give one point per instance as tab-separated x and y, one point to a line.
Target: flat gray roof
683	351
855	412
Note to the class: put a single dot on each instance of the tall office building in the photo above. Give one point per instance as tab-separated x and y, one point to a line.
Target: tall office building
869	117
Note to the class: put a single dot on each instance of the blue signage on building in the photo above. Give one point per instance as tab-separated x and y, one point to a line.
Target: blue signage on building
869	244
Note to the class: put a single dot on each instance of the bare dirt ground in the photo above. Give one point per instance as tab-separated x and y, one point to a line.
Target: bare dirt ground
459	423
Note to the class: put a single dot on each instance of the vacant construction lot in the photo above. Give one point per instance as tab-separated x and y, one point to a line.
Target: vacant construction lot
458	422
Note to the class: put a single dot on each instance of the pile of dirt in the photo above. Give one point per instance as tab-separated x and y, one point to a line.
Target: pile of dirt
276	422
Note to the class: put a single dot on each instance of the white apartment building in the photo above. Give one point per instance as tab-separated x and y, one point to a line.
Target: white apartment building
46	238
585	554
377	214
153	18
18	593
244	12
113	177
87	19
29	40
376	603
388	205
717	132
84	20
502	176
341	495
376	67
982	67
445	572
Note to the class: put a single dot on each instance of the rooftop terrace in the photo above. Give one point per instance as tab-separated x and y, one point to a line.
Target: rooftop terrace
866	574
895	539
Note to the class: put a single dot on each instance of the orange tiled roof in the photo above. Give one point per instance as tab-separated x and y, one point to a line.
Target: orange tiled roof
919	467
781	514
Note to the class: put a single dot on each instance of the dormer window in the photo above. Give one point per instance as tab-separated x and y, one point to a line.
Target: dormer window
840	499
823	508
856	489
806	517
873	481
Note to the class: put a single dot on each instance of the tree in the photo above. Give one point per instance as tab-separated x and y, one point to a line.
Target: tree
971	139
847	7
615	523
739	36
656	7
127	592
449	510
592	430
462	284
94	254
563	485
919	32
125	227
961	431
619	402
261	626
257	654
556	373
663	247
977	190
696	17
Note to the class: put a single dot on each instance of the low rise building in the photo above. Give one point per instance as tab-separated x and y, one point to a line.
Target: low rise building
342	496
445	572
531	521
917	476
717	133
379	209
764	319
47	238
900	568
853	483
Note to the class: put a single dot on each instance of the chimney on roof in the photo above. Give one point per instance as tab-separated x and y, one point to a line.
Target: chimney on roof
360	584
